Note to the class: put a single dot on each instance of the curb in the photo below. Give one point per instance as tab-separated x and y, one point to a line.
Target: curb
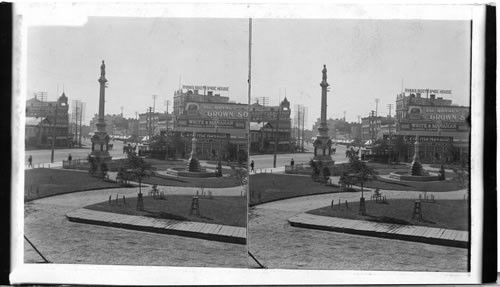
224	233
393	231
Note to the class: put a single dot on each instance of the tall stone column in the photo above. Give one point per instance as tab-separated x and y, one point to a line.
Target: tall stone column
100	139
323	143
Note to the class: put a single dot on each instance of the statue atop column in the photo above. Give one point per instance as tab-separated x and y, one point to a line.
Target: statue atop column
324	73
103	69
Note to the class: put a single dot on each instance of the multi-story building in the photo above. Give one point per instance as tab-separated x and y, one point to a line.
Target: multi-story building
219	125
46	118
270	125
443	128
375	127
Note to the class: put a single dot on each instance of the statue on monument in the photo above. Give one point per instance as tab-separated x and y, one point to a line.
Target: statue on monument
103	69
324	73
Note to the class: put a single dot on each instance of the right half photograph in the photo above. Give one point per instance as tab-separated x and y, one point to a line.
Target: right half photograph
360	145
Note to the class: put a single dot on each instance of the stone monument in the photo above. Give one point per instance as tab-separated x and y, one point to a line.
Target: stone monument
193	162
323	143
100	139
416	167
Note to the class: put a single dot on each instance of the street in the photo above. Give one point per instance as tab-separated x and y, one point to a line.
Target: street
62	241
266	160
276	244
42	156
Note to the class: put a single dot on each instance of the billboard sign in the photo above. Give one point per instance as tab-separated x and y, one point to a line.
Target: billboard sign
432	140
217	110
207	88
212	123
434	126
433	113
428	91
201	137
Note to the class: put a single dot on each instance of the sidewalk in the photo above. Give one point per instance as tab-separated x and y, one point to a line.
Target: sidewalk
215	232
438	236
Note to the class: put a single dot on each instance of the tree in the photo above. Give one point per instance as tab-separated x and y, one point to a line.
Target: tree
360	171
136	169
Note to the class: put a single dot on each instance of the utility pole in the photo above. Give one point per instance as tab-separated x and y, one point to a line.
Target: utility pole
372	126
80	134
303	125
154	102
276	137
389	106
249	72
54	135
298	125
376	106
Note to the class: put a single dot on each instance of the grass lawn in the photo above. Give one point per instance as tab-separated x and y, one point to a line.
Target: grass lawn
273	187
212	182
449	214
435	186
58	181
226	210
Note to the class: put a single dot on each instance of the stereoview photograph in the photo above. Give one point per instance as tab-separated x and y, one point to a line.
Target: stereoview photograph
362	160
136	142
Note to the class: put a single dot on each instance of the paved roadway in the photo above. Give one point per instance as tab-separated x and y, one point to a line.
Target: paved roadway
278	245
61	241
42	156
266	160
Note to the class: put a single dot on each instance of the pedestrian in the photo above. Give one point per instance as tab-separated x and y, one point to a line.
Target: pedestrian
30	161
252	164
292	163
70	158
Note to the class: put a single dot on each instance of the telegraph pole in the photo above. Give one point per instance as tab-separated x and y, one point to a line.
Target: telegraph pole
276	137
389	106
80	134
154	102
54	135
303	126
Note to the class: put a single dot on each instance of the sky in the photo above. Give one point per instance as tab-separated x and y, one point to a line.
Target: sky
366	59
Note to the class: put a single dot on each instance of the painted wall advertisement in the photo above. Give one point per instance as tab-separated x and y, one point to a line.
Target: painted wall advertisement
212	123
434	126
201	137
445	114
220	111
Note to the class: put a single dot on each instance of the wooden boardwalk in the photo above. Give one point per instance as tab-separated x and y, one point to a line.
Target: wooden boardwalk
215	232
432	235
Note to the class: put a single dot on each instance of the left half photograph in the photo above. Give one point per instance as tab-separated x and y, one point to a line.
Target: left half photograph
136	142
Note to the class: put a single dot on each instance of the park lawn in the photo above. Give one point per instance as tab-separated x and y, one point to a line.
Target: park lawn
224	210
449	214
434	186
51	182
274	187
219	182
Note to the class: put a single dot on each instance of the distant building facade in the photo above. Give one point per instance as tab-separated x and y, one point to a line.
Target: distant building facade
219	125
443	128
43	118
270	125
